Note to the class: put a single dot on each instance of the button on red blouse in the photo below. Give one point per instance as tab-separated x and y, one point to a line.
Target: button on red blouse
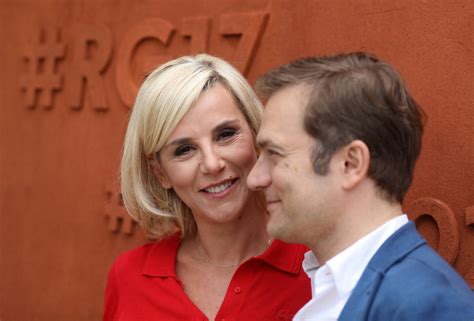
142	285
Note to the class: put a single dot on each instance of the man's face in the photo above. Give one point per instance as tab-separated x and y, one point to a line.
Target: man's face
300	203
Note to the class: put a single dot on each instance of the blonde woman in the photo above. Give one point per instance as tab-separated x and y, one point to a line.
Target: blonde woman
189	147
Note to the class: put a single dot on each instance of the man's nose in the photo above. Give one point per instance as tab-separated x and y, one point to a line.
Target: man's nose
259	177
211	162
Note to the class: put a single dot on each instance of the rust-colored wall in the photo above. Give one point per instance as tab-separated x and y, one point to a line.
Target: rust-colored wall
61	223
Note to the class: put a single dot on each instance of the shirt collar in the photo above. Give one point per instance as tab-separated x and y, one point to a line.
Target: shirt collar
347	266
161	260
284	256
310	262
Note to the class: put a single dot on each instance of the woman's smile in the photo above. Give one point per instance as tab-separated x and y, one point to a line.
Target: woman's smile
221	189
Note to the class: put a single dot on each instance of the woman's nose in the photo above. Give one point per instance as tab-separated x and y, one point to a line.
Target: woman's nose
212	162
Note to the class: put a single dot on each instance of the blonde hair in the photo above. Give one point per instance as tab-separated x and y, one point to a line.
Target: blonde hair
162	101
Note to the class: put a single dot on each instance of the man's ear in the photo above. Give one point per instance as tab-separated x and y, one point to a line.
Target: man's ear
159	172
356	157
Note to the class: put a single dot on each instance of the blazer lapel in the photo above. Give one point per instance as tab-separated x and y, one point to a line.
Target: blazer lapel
393	250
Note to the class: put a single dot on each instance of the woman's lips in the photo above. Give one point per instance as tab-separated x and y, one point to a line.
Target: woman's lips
221	189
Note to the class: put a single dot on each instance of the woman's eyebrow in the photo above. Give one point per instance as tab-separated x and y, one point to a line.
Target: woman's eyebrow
224	124
179	141
218	128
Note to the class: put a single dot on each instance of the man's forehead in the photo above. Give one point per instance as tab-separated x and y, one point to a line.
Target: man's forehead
299	91
287	104
270	128
283	117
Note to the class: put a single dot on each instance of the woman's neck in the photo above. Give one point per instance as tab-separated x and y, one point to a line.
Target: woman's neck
229	244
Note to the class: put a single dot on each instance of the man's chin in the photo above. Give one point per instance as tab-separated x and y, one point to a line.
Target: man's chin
279	232
272	229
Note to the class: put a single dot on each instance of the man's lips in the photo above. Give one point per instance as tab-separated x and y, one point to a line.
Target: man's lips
272	201
272	204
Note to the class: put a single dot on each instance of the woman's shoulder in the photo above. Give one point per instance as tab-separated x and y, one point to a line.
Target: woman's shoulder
133	257
138	257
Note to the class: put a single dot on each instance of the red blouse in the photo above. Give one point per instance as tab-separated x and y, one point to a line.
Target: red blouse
143	286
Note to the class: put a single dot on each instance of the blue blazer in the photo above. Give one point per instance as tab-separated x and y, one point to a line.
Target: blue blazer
406	280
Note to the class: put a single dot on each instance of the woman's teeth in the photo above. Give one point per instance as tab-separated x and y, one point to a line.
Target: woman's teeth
219	188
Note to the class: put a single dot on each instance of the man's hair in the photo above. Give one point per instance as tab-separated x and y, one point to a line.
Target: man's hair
357	96
163	100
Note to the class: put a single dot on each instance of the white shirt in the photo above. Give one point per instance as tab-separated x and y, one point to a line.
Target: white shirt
333	282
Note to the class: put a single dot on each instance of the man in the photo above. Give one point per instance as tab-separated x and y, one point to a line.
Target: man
338	146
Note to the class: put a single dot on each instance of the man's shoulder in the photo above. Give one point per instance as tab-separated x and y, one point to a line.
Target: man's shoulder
408	264
406	256
407	280
423	286
423	270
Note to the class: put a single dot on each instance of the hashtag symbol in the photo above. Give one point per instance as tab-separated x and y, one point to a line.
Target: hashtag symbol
42	78
119	220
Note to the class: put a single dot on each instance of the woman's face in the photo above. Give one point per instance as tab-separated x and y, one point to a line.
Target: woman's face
208	157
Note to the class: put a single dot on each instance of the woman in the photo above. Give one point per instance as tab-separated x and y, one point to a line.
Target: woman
187	153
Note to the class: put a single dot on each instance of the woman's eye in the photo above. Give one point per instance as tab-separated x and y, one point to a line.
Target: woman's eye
226	134
183	150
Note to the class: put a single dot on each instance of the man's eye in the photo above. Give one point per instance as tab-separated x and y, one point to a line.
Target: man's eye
183	150
226	133
272	152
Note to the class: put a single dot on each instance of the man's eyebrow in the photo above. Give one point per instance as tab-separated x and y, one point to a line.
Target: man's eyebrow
263	143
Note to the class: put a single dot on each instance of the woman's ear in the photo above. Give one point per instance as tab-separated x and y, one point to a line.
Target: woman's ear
356	158
159	172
